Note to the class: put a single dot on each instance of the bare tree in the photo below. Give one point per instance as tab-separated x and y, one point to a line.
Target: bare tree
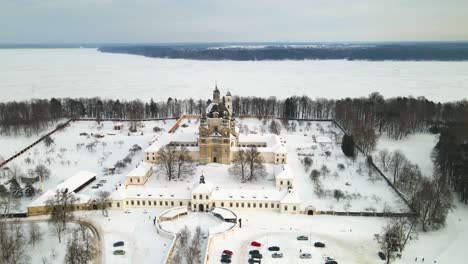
255	165
61	210
397	162
81	248
184	163
102	201
384	158
12	243
239	167
42	171
167	159
35	234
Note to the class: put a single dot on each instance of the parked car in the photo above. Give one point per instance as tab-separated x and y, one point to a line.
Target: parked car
382	256
95	187
274	248
99	184
331	262
302	238
252	261
305	256
257	256
255	244
119	252
119	244
103	181
277	255
319	244
329	259
255	251
225	260
227	252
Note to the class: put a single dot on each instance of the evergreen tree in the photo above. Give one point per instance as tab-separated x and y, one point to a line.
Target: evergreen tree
15	188
29	190
347	145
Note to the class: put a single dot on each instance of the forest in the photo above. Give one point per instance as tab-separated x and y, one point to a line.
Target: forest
416	51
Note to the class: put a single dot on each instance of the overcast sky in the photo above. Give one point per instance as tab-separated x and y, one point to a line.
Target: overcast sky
150	21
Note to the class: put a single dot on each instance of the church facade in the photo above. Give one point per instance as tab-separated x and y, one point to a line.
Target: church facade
218	138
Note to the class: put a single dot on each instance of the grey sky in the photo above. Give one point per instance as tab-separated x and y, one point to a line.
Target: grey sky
71	21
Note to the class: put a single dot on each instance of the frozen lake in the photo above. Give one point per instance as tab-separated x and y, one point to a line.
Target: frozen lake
45	73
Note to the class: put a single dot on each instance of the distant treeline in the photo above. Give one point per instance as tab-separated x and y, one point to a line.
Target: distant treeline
374	52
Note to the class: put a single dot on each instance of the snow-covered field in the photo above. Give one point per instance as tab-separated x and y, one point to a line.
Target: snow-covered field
45	73
447	244
71	153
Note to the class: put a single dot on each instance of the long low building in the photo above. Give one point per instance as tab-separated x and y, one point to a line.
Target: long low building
72	185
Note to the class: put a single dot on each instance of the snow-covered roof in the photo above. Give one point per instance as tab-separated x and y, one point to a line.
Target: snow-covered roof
272	141
76	181
224	213
291	198
141	170
285	173
118	124
273	195
164	139
215	134
143	192
175	212
204	188
41	200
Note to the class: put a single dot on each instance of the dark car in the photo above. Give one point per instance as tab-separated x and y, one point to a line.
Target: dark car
319	244
277	255
331	262
302	238
119	244
382	256
274	248
119	252
257	256
225	260
252	261
226	256
255	251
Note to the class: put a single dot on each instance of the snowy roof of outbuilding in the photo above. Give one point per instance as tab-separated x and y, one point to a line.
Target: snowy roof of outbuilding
248	194
291	198
76	181
41	200
273	142
285	173
204	188
167	138
141	170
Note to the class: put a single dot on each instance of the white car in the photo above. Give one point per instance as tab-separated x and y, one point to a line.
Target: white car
305	256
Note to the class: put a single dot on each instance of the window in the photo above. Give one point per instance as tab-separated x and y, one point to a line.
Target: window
248	205
272	205
180	203
266	205
138	202
154	158
138	180
237	205
281	182
133	203
277	160
294	208
222	204
285	207
126	202
242	204
201	197
214	204
189	203
194	197
131	180
160	203
260	205
254	205
230	204
165	203
207	197
143	202
172	203
147	158
118	204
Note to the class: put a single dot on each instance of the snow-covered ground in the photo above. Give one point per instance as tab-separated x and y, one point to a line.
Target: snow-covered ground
45	73
347	239
446	245
70	154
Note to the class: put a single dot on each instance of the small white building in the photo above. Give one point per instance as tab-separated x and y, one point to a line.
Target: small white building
140	174
285	177
291	203
118	126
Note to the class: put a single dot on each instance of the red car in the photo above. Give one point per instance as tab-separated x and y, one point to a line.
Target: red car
255	244
228	252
